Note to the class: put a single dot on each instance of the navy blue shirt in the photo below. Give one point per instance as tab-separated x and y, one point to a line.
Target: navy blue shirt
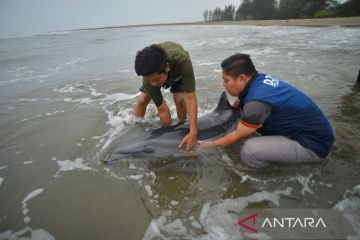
294	115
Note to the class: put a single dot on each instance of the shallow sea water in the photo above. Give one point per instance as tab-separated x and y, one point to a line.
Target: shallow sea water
66	100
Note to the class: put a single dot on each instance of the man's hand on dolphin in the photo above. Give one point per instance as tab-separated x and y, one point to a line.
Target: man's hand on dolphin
190	141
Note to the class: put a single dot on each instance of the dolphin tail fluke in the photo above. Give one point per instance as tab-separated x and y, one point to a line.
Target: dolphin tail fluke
223	103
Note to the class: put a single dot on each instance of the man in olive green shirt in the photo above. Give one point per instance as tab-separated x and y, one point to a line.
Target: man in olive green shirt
168	65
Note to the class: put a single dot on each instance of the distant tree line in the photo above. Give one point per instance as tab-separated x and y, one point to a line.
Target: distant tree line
283	9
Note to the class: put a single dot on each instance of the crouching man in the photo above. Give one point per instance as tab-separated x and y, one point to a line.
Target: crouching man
293	129
168	65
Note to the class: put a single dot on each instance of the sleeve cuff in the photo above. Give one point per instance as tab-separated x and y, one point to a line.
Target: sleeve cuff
250	125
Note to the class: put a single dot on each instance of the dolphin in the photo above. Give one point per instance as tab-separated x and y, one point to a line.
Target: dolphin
164	141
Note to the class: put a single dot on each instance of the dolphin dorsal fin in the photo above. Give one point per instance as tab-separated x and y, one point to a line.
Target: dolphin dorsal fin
223	103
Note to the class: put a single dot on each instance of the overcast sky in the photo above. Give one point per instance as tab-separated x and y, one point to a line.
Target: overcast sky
17	16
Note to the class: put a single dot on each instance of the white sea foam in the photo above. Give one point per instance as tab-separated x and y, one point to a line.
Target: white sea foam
291	54
200	43
24	77
159	225
32	195
117	97
23	234
93	92
196	224
116	124
208	63
32	34
71	88
74	62
81	100
124	71
351	202
28	233
261	51
104	99
305	182
148	190
17	69
217	220
25	210
329	185
3	167
68	165
173	202
244	177
27	100
136	177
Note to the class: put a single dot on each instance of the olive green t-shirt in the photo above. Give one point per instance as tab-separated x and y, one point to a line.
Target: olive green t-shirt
181	69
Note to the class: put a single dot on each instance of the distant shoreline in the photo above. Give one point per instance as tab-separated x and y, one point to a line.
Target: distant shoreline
316	22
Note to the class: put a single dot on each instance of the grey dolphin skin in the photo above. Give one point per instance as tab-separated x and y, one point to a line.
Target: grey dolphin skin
165	141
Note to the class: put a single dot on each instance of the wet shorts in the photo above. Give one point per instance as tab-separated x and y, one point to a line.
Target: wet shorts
176	88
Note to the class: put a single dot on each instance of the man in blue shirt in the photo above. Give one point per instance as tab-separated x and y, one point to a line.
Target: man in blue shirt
293	129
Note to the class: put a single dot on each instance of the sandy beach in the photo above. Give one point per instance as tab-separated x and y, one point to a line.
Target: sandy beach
344	22
349	21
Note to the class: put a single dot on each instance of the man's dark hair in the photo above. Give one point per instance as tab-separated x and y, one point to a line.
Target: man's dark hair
238	64
151	59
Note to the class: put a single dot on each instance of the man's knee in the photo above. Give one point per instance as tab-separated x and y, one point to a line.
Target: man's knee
179	99
251	154
143	100
180	103
141	104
